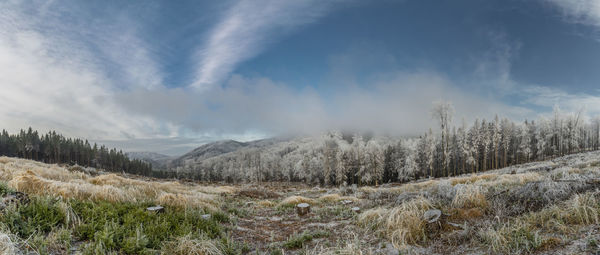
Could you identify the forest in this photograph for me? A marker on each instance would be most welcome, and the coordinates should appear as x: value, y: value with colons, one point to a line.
x: 343, y: 158
x: 338, y: 158
x: 55, y: 148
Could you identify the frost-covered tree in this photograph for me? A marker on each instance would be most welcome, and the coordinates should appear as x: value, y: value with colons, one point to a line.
x: 373, y: 163
x: 443, y: 112
x: 524, y: 150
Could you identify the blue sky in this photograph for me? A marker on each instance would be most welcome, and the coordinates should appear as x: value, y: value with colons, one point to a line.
x: 168, y: 75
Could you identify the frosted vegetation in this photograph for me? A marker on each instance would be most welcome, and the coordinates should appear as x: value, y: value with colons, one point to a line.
x: 337, y: 158
x: 550, y: 206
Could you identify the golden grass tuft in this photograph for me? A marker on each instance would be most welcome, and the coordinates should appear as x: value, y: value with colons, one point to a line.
x: 187, y: 245
x: 332, y: 198
x: 459, y: 214
x: 294, y: 200
x: 473, y: 179
x: 470, y: 196
x: 549, y: 243
x: 187, y: 201
x: 408, y: 187
x: 513, y: 179
x: 583, y: 209
x: 351, y: 247
x: 4, y: 160
x: 44, y: 179
x: 217, y: 189
x: 522, y: 234
x: 401, y: 225
x: 266, y: 203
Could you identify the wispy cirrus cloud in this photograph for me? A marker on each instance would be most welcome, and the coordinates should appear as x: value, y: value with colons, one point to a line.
x: 57, y: 71
x: 245, y: 30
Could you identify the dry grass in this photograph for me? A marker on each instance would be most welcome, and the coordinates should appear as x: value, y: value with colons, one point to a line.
x: 266, y: 203
x: 469, y: 196
x: 408, y: 187
x: 401, y: 225
x: 187, y: 201
x: 7, y: 246
x: 459, y: 214
x: 351, y: 247
x: 473, y: 179
x: 506, y: 180
x: 294, y: 200
x: 524, y: 233
x: 44, y: 179
x: 332, y: 198
x: 187, y: 245
x: 583, y: 209
x: 4, y: 160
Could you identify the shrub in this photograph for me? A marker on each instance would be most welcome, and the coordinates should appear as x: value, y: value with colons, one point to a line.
x: 298, y: 241
x: 294, y: 200
x: 41, y: 215
x: 194, y: 246
x: 402, y: 224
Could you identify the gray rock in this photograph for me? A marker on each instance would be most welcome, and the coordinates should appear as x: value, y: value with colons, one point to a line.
x: 156, y: 209
x: 432, y: 215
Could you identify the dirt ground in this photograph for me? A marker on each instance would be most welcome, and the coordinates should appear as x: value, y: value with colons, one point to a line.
x: 267, y: 225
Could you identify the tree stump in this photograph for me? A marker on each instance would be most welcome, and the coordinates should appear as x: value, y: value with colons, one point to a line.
x: 302, y: 209
x: 156, y: 209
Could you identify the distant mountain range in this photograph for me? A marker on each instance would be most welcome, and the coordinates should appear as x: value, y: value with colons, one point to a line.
x: 203, y: 152
x: 158, y: 161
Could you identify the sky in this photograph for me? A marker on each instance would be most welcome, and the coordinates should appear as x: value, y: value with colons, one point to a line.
x: 167, y: 76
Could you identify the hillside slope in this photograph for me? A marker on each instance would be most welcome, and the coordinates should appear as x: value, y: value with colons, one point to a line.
x: 218, y: 148
x: 158, y: 161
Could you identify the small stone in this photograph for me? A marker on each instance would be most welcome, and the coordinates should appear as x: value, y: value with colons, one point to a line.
x: 345, y: 202
x: 156, y: 209
x: 432, y: 215
x: 356, y: 209
x: 206, y: 216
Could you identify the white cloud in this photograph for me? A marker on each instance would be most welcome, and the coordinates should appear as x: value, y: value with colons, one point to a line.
x: 400, y: 103
x: 102, y: 82
x: 549, y: 97
x: 579, y: 11
x: 246, y: 28
x: 51, y: 79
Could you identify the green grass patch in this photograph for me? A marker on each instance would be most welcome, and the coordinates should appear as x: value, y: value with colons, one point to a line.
x: 298, y: 241
x: 121, y: 228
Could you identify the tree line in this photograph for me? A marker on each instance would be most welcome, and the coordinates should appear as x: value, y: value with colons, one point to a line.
x: 54, y: 148
x: 337, y: 158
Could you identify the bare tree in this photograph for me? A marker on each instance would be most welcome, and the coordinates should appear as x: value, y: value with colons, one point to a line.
x: 443, y: 112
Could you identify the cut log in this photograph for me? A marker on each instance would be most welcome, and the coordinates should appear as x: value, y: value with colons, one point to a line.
x: 303, y: 209
x: 156, y: 209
